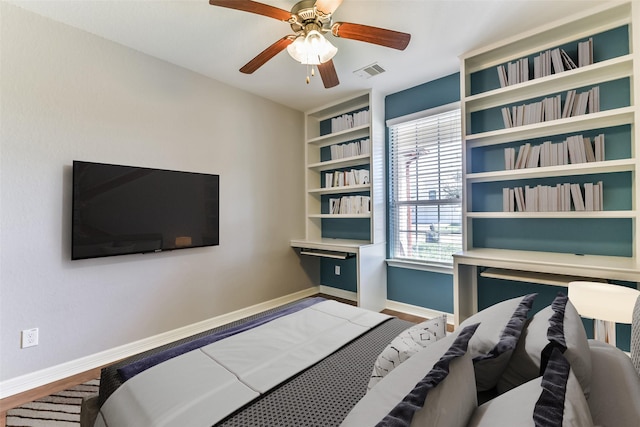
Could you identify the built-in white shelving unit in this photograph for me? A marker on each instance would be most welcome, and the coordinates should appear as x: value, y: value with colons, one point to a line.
x: 615, y: 63
x: 358, y: 233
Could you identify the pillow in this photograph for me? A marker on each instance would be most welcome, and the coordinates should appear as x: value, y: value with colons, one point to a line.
x: 406, y: 344
x: 558, y: 325
x: 635, y: 336
x: 444, y: 396
x: 553, y: 400
x: 496, y: 338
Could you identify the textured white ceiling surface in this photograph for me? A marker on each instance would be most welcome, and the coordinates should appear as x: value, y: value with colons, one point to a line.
x: 216, y: 41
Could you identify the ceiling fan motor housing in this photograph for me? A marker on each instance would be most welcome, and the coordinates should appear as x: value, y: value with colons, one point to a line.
x: 305, y: 17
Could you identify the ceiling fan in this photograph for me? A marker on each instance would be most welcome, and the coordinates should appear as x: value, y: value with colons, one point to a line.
x: 309, y: 20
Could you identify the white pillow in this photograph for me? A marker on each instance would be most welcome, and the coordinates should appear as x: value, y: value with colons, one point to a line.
x: 405, y: 345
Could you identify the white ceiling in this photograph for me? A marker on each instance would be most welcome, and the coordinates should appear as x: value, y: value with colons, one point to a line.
x: 216, y: 41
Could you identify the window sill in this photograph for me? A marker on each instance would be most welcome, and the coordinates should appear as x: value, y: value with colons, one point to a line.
x: 420, y: 265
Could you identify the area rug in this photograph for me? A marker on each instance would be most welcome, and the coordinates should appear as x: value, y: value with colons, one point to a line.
x: 61, y: 409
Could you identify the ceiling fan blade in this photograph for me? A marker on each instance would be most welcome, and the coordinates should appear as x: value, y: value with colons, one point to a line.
x: 266, y: 55
x: 327, y: 7
x: 328, y: 74
x: 375, y: 35
x: 254, y: 7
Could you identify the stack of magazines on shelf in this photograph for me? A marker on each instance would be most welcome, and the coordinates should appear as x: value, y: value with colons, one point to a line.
x: 558, y: 198
x: 550, y: 108
x: 574, y: 149
x: 350, y: 205
x: 350, y: 149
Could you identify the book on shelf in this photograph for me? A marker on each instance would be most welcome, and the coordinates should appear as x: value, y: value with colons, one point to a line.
x: 585, y: 52
x: 576, y: 196
x: 599, y: 148
x: 328, y: 179
x: 509, y: 158
x: 569, y: 64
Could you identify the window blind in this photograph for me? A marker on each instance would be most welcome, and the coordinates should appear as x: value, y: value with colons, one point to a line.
x: 425, y: 179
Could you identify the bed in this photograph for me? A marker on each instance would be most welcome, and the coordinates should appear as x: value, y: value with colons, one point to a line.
x: 501, y: 362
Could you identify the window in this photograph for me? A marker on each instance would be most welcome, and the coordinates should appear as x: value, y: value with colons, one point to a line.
x: 425, y: 180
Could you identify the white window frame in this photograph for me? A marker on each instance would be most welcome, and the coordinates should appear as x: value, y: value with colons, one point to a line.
x: 414, y: 262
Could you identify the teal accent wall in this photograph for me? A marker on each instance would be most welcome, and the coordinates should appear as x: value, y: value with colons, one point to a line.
x: 601, y: 236
x: 417, y: 287
x: 347, y: 280
x: 420, y: 288
x: 442, y: 91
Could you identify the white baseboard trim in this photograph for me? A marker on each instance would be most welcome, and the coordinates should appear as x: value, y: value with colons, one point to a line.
x: 338, y: 293
x: 46, y: 376
x: 418, y: 311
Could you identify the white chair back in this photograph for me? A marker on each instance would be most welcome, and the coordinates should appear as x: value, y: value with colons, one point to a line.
x: 607, y: 304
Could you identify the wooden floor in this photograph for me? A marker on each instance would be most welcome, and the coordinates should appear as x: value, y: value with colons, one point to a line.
x: 45, y: 390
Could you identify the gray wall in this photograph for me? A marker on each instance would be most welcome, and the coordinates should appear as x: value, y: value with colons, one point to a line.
x: 66, y: 95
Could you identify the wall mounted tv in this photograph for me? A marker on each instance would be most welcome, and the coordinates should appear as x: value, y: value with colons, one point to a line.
x: 119, y: 210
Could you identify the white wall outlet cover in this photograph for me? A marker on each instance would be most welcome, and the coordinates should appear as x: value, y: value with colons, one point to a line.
x: 29, y: 337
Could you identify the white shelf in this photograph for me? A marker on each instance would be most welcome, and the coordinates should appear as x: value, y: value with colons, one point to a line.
x: 342, y: 216
x: 594, y: 74
x: 562, y: 214
x: 607, y: 166
x: 342, y: 136
x: 340, y: 190
x: 616, y: 117
x: 605, y: 267
x: 346, y: 162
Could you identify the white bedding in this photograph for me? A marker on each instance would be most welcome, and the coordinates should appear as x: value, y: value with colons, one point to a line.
x: 201, y: 387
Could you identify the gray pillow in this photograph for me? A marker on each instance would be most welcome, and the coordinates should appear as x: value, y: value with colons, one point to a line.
x: 558, y: 325
x: 553, y: 400
x: 496, y: 338
x: 635, y: 336
x: 435, y: 387
x: 406, y: 344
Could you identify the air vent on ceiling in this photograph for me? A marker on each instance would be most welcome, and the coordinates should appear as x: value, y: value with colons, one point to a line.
x: 369, y: 71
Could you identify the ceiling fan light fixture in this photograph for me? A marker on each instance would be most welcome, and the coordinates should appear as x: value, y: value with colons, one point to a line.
x: 312, y: 49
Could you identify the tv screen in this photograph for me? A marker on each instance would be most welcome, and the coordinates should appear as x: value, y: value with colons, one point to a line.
x: 119, y: 210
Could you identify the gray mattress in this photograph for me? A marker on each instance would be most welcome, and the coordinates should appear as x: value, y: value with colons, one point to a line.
x: 319, y: 396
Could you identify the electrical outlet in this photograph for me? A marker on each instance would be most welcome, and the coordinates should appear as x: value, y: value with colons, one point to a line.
x: 337, y: 270
x: 29, y: 337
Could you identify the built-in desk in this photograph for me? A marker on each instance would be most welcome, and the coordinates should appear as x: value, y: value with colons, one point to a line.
x: 371, y: 268
x: 533, y: 267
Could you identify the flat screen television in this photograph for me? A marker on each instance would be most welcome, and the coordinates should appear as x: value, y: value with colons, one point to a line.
x: 119, y: 210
